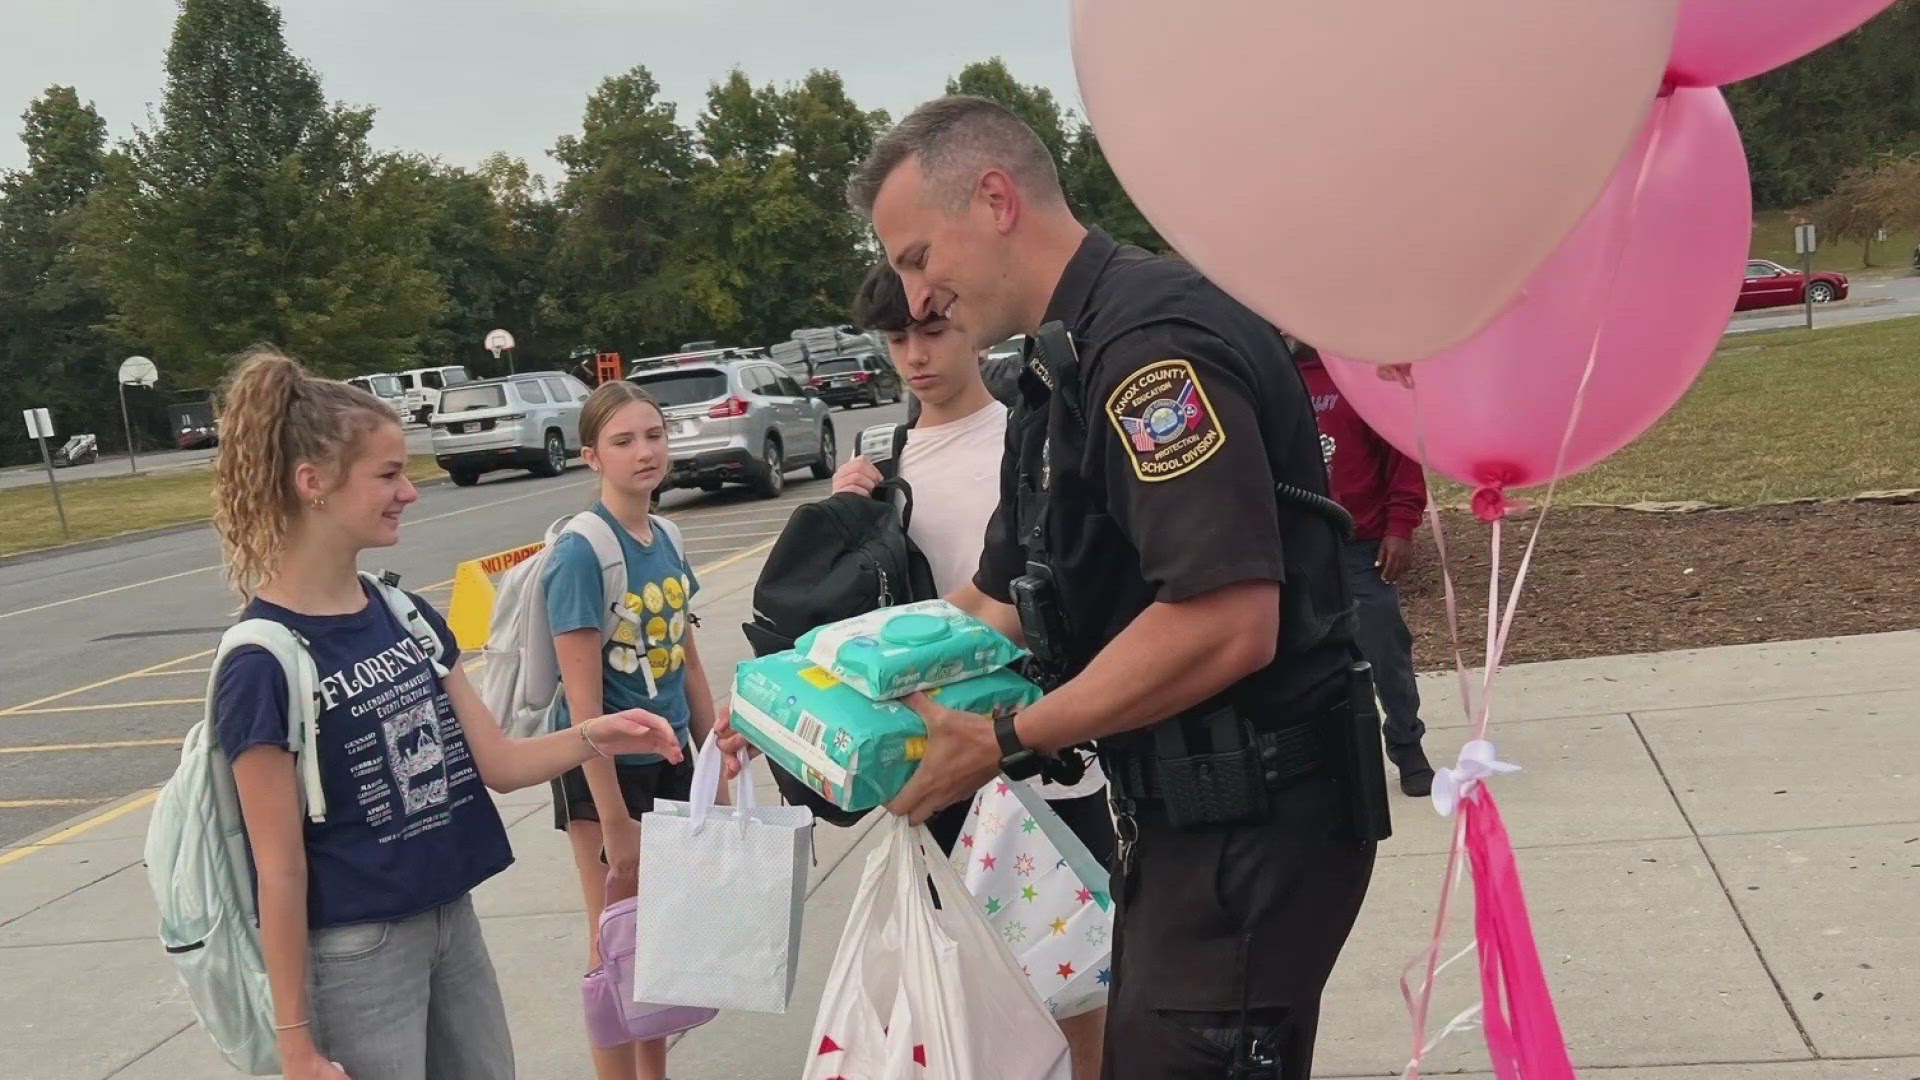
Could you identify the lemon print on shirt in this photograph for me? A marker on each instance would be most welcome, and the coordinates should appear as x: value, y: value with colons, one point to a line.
x: 656, y: 631
x: 623, y: 659
x: 659, y: 659
x: 679, y: 657
x: 676, y: 592
x: 677, y: 629
x: 656, y: 603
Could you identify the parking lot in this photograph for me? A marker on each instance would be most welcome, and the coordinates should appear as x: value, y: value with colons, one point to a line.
x: 103, y: 652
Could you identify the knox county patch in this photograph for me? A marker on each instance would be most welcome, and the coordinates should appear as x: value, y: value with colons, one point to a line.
x: 1165, y: 421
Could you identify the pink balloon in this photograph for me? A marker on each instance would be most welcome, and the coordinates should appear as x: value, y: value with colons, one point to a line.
x: 1723, y: 41
x: 1495, y: 408
x: 1378, y: 175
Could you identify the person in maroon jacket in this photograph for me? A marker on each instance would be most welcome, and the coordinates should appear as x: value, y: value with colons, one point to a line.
x: 1386, y: 492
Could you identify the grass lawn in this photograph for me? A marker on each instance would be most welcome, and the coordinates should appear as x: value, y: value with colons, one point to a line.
x: 1773, y: 239
x: 1778, y: 415
x: 118, y: 504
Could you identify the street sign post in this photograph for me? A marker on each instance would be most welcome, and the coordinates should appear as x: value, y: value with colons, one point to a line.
x: 499, y: 341
x: 134, y: 371
x: 1805, y: 243
x: 40, y: 428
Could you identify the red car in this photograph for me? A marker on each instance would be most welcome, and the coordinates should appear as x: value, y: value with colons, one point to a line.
x: 1769, y: 284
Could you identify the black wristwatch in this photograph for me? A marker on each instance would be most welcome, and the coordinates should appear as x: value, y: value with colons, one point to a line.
x: 1017, y: 760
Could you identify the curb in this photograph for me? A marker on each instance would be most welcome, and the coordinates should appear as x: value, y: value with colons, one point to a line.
x: 41, y: 839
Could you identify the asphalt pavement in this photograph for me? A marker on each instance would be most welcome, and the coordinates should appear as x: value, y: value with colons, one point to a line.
x: 1870, y: 299
x: 103, y: 650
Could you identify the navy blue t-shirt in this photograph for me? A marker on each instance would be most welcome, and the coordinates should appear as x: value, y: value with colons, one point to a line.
x: 409, y: 824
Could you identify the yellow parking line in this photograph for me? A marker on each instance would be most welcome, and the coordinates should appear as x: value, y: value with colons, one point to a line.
x: 744, y: 553
x: 122, y: 744
x: 27, y: 804
x: 137, y: 803
x: 105, y: 706
x: 34, y: 704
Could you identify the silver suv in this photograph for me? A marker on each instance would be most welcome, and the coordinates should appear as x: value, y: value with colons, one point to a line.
x: 738, y: 420
x: 529, y: 421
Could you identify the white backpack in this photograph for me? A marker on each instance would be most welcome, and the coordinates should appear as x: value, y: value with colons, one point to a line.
x: 520, y: 679
x: 196, y: 850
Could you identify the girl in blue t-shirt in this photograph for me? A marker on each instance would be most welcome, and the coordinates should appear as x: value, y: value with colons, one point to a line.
x: 374, y: 956
x: 649, y: 662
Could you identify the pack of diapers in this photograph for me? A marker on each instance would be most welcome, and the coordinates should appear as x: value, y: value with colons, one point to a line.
x: 855, y: 751
x: 894, y: 651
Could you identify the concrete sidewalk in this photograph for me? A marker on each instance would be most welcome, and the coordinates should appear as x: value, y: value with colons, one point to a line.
x: 1721, y: 850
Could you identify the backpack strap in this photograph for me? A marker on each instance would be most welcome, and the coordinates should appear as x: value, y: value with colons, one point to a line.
x: 407, y: 613
x: 666, y: 527
x: 613, y: 583
x: 303, y: 698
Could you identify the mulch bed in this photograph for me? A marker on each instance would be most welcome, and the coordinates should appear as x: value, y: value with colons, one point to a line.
x: 1606, y: 582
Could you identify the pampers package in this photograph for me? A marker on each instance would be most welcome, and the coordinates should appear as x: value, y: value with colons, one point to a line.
x: 894, y: 651
x: 855, y: 751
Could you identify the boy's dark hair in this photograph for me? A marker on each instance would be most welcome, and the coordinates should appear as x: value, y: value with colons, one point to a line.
x: 881, y: 303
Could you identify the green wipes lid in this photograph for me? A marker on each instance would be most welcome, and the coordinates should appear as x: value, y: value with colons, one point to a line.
x: 915, y: 629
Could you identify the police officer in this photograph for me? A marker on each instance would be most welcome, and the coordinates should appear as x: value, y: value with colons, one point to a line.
x: 1163, y: 545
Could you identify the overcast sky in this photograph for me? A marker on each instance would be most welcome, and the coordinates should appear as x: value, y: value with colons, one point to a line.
x: 460, y: 79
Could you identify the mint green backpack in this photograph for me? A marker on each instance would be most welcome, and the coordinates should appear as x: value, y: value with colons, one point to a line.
x: 196, y: 850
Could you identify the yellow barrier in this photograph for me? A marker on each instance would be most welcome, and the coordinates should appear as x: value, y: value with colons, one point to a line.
x: 471, y: 609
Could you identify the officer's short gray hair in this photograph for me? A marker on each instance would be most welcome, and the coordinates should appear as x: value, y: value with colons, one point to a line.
x: 955, y: 139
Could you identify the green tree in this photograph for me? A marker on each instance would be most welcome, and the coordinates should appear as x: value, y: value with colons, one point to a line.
x: 774, y: 246
x: 620, y: 277
x: 1881, y: 194
x: 1806, y: 125
x: 255, y: 211
x: 52, y: 353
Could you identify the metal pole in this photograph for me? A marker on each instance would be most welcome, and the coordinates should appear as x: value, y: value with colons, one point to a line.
x: 54, y: 483
x: 1806, y: 283
x: 511, y: 370
x: 133, y: 467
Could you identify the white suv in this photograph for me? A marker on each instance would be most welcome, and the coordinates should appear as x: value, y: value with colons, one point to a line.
x: 528, y: 421
x: 423, y: 387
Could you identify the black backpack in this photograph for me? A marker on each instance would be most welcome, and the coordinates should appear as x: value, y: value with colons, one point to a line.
x: 843, y: 556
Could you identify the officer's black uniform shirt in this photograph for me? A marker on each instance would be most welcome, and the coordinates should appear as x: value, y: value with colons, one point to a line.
x: 1162, y: 488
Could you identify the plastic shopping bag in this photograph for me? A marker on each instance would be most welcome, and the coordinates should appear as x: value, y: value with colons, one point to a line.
x: 736, y: 874
x: 919, y: 992
x: 1042, y: 891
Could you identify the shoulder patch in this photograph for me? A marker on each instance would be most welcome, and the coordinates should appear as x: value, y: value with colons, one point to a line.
x: 1165, y: 422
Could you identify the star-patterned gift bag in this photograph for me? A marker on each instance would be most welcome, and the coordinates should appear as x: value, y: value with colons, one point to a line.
x: 1043, y: 893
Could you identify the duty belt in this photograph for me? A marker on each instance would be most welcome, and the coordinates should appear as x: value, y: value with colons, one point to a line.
x: 1171, y: 784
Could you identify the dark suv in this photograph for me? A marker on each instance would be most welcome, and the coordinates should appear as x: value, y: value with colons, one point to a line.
x: 854, y: 380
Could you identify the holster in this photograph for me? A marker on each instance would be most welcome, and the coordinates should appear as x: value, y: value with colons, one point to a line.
x: 1234, y: 779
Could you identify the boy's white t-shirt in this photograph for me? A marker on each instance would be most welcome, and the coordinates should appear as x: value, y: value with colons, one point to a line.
x: 954, y: 470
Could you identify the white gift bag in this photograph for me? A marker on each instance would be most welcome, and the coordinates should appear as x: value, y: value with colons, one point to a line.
x: 722, y: 890
x: 1043, y: 893
x: 919, y: 992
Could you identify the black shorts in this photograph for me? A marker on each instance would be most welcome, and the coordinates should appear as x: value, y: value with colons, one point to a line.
x: 1087, y: 816
x: 640, y: 785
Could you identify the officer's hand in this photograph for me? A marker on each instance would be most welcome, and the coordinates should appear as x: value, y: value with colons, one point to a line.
x: 857, y: 475
x: 1396, y: 554
x: 962, y: 755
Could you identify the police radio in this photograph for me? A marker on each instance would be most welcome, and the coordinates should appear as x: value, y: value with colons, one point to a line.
x: 1043, y: 623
